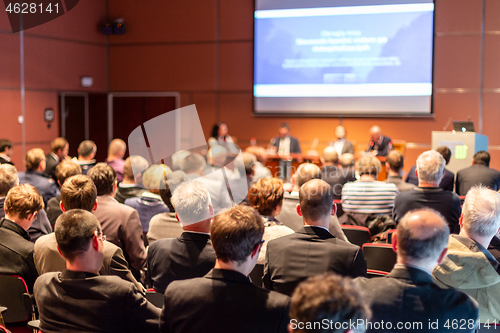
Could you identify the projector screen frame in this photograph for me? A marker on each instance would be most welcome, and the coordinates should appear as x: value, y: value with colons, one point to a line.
x: 347, y: 114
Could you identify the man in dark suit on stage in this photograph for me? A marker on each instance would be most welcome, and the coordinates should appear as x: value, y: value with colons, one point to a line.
x: 285, y: 144
x: 379, y: 144
x: 311, y: 250
x: 409, y: 295
x: 5, y: 151
x: 79, y: 299
x: 478, y: 173
x: 59, y: 149
x: 190, y: 255
x: 225, y: 300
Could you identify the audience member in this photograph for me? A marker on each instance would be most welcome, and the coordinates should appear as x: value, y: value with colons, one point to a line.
x: 6, y: 151
x: 120, y: 222
x: 21, y: 206
x: 150, y: 202
x: 64, y: 170
x: 327, y: 303
x: 217, y: 157
x: 478, y: 173
x: 313, y: 249
x: 225, y: 300
x: 379, y: 144
x: 116, y: 151
x: 409, y: 295
x: 259, y: 169
x: 341, y: 145
x: 448, y: 180
x: 165, y: 225
x: 177, y: 159
x: 35, y: 166
x: 266, y: 196
x: 288, y: 214
x: 469, y: 267
x: 249, y: 161
x: 79, y: 299
x: 334, y: 175
x: 428, y: 194
x: 59, y: 148
x: 368, y: 195
x: 190, y: 255
x: 129, y: 187
x: 86, y: 153
x: 285, y: 144
x: 394, y: 165
x: 79, y: 192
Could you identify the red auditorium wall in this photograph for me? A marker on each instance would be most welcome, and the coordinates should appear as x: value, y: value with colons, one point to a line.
x: 56, y: 54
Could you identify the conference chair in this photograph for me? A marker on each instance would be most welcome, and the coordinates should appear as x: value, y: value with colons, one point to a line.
x: 256, y: 275
x: 154, y: 297
x: 390, y: 233
x: 357, y: 235
x: 379, y: 256
x: 371, y: 273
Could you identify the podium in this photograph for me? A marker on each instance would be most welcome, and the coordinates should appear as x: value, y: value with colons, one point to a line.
x: 463, y: 146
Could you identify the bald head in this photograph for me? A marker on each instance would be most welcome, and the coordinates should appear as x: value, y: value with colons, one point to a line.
x: 316, y: 201
x: 347, y: 160
x: 330, y: 156
x: 422, y: 235
x: 306, y: 172
x: 117, y: 149
x: 375, y: 133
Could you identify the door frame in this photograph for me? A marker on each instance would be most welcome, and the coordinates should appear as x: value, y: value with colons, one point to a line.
x: 62, y: 111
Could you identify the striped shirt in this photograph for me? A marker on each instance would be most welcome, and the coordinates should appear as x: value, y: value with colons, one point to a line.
x: 369, y: 197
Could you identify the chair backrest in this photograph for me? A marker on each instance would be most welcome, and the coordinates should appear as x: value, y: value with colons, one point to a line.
x: 155, y: 298
x: 380, y: 257
x: 389, y: 235
x: 371, y: 273
x: 356, y: 234
x: 256, y: 275
x: 14, y: 295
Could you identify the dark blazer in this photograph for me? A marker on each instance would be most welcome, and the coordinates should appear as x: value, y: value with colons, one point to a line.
x: 474, y: 175
x: 409, y: 295
x: 223, y: 301
x: 50, y: 166
x: 188, y: 256
x: 336, y: 177
x: 400, y: 184
x: 4, y: 161
x: 308, y: 252
x: 294, y: 144
x: 43, y: 184
x: 84, y: 302
x: 384, y: 148
x: 123, y: 193
x: 446, y: 183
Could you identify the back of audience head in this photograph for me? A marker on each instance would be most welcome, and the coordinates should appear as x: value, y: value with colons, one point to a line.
x: 422, y: 238
x: 117, y: 148
x: 8, y: 178
x: 445, y: 152
x: 327, y: 298
x: 192, y: 204
x: 173, y: 180
x: 259, y: 152
x: 217, y: 155
x: 481, y: 213
x: 59, y: 146
x: 177, y: 158
x: 249, y: 160
x: 306, y: 172
x: 66, y: 169
x: 236, y: 234
x: 316, y: 202
x: 369, y: 165
x: 346, y: 160
x: 430, y: 167
x: 78, y: 192
x: 154, y: 177
x: 74, y: 231
x: 104, y: 178
x: 482, y: 158
x: 134, y: 164
x: 395, y: 160
x: 5, y: 144
x: 193, y: 164
x: 35, y: 160
x: 87, y: 149
x: 330, y: 156
x: 22, y: 204
x: 266, y: 195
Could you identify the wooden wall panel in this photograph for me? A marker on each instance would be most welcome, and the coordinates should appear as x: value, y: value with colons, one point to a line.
x: 206, y: 107
x: 236, y: 69
x: 10, y: 70
x: 491, y: 21
x: 235, y: 23
x: 491, y: 57
x: 458, y: 16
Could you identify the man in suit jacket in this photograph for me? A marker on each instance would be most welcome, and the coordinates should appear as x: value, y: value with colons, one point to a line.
x: 408, y: 294
x: 79, y: 192
x: 341, y: 145
x: 6, y: 151
x: 119, y: 222
x: 285, y: 144
x: 190, y: 255
x: 311, y: 250
x: 225, y: 300
x: 86, y: 153
x: 59, y: 149
x: 479, y: 173
x: 379, y: 144
x: 79, y: 299
x: 447, y: 182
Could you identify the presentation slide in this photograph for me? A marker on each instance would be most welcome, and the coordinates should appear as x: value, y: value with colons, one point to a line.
x: 370, y: 59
